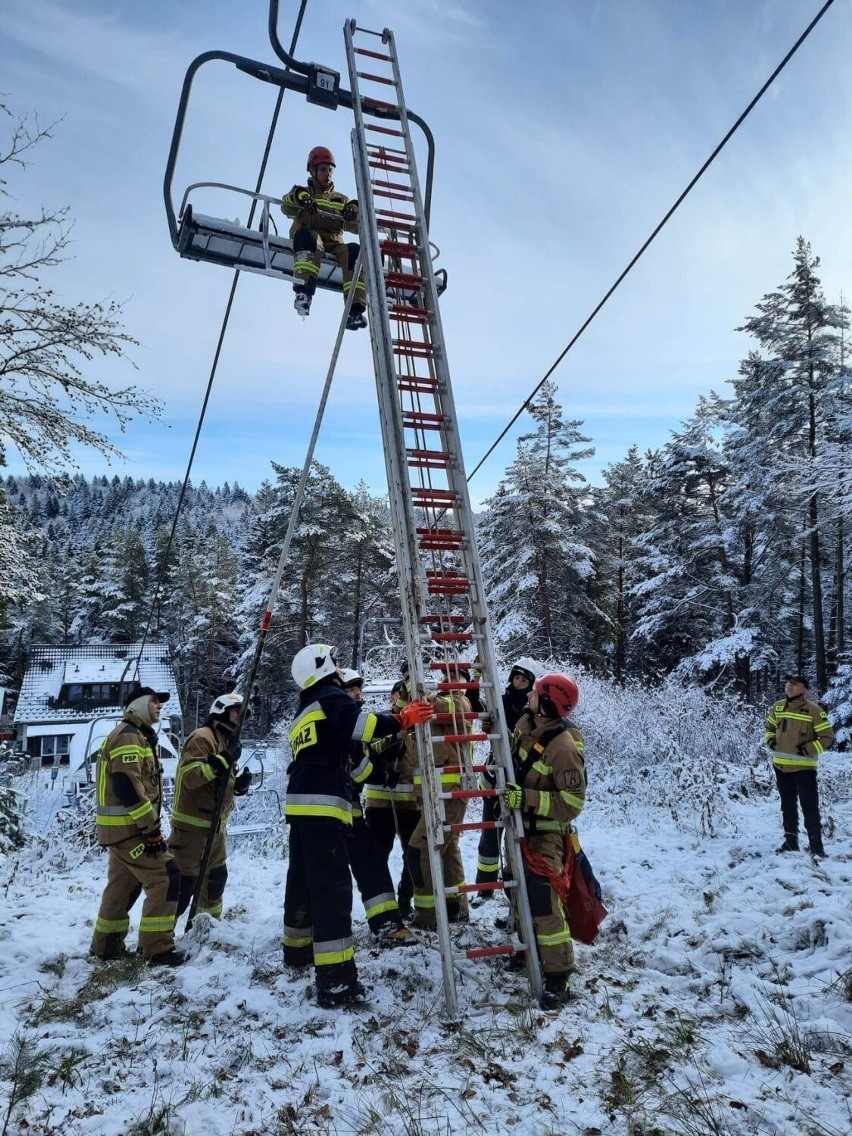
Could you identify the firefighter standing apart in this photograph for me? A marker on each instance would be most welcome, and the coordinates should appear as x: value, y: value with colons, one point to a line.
x: 797, y: 732
x: 129, y: 795
x: 550, y: 792
x: 209, y: 756
x: 318, y: 894
x: 320, y: 216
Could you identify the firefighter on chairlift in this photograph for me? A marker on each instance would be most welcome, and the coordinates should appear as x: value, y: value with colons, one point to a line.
x: 366, y: 856
x: 130, y: 796
x: 320, y: 215
x: 318, y: 810
x: 209, y: 756
x: 549, y: 791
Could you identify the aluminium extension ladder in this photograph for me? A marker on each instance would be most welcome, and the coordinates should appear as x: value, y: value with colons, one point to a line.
x: 443, y: 602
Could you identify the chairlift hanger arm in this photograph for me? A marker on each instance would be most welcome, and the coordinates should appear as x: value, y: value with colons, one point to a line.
x: 304, y: 69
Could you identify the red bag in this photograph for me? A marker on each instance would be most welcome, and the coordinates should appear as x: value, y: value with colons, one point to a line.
x: 583, y: 908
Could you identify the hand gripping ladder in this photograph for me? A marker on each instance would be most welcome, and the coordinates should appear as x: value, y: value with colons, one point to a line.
x: 443, y: 603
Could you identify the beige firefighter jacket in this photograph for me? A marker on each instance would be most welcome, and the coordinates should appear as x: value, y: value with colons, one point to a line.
x: 129, y: 782
x: 797, y: 732
x: 329, y: 201
x: 445, y: 753
x: 196, y: 784
x: 555, y: 777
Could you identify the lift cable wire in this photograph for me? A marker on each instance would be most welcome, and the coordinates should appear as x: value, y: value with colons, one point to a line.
x: 214, y: 367
x: 526, y: 404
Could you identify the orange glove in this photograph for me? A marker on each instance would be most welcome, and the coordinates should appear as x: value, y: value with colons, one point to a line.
x: 415, y: 713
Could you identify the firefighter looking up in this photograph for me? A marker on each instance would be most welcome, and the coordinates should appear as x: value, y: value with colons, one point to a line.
x: 209, y: 756
x: 130, y: 793
x: 320, y: 215
x: 366, y: 857
x: 797, y: 732
x: 390, y: 807
x: 550, y: 792
x: 452, y: 705
x: 318, y: 893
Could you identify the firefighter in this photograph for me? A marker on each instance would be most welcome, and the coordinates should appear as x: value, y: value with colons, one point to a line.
x: 366, y: 857
x: 209, y: 757
x: 320, y: 215
x: 550, y: 792
x: 130, y: 793
x: 318, y: 894
x: 390, y: 807
x: 521, y: 679
x: 797, y: 732
x: 453, y: 705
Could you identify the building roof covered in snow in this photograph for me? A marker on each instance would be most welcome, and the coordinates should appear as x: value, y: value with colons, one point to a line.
x: 73, y: 684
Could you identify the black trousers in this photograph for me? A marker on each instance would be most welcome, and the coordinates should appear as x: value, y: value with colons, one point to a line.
x: 372, y: 875
x: 799, y: 787
x: 318, y: 903
x: 384, y: 825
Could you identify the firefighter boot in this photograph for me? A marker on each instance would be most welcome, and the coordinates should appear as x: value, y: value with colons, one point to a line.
x: 302, y: 301
x: 171, y: 957
x: 392, y: 935
x: 557, y: 991
x: 357, y: 319
x: 114, y: 948
x: 348, y: 995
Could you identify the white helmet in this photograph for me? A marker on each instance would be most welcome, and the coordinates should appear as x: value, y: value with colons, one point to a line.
x: 351, y: 678
x: 527, y: 667
x: 313, y: 663
x: 224, y: 702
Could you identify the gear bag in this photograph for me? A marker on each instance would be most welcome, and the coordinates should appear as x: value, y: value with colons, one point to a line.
x: 575, y: 885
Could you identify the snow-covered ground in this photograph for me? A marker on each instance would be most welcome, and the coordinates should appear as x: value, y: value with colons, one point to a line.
x: 718, y: 1000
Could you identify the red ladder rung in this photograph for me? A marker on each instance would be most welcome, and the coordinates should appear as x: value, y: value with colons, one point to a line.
x: 417, y: 385
x: 371, y: 54
x: 452, y: 636
x: 450, y: 665
x: 423, y: 418
x: 498, y: 885
x: 378, y: 104
x: 404, y: 314
x: 379, y: 150
x: 448, y: 719
x: 412, y: 349
x: 376, y: 79
x: 489, y: 952
x: 398, y: 249
x: 432, y: 496
x: 395, y: 279
x: 389, y: 165
x: 438, y: 589
x: 460, y: 739
x: 469, y: 794
x: 392, y: 185
x: 390, y: 195
x: 385, y: 130
x: 408, y: 222
x: 474, y: 826
x: 458, y: 686
x: 437, y: 546
x: 436, y: 461
x: 460, y: 768
x: 442, y: 619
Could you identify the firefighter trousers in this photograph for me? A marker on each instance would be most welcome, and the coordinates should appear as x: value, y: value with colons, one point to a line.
x: 187, y: 845
x: 318, y: 904
x: 308, y: 250
x: 417, y: 858
x: 386, y: 825
x: 488, y: 852
x: 372, y: 875
x: 799, y: 787
x: 132, y: 871
x: 550, y: 923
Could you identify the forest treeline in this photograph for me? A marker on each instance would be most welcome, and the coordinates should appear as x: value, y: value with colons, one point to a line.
x: 719, y: 557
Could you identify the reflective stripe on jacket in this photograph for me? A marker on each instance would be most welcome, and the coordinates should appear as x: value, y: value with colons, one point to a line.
x: 797, y: 732
x: 320, y: 786
x: 555, y: 777
x: 129, y: 784
x: 196, y: 784
x: 329, y: 200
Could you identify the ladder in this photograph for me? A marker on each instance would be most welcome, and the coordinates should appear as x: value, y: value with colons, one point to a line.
x: 444, y: 610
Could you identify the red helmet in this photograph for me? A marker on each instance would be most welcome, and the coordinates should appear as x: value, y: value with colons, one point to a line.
x: 319, y: 156
x: 562, y: 691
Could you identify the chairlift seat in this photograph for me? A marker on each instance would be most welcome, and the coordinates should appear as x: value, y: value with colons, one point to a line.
x: 222, y: 242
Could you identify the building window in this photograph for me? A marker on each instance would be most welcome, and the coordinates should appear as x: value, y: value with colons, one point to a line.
x: 55, y: 749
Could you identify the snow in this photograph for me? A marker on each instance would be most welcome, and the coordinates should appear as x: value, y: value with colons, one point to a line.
x: 717, y: 1000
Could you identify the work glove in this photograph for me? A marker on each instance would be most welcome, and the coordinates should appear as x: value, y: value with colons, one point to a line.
x: 242, y: 784
x: 233, y: 750
x: 349, y: 212
x: 415, y: 714
x: 514, y: 796
x: 305, y: 199
x: 154, y: 843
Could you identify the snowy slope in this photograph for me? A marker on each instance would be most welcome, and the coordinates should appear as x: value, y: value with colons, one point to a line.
x: 718, y: 1000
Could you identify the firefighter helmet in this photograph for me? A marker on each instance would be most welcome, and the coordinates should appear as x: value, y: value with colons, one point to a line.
x: 526, y: 668
x: 224, y: 702
x: 312, y: 663
x: 560, y: 691
x: 351, y: 678
x: 319, y: 156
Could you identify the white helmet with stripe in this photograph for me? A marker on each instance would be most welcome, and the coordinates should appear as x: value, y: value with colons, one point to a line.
x: 351, y: 678
x: 312, y: 663
x: 224, y: 702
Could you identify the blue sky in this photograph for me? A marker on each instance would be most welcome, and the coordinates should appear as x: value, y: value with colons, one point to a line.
x: 564, y: 131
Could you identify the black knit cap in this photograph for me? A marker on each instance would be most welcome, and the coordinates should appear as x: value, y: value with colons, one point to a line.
x: 145, y: 692
x: 797, y: 678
